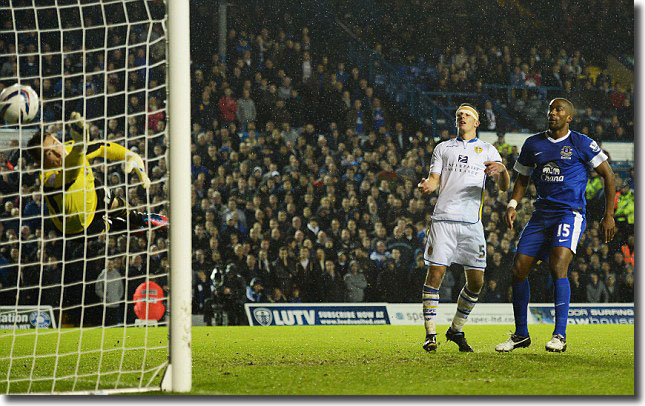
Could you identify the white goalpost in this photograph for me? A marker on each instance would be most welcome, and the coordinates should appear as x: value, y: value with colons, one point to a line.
x: 180, y: 254
x: 95, y: 280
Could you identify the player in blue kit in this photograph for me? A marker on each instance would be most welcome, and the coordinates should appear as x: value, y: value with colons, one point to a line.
x: 556, y: 161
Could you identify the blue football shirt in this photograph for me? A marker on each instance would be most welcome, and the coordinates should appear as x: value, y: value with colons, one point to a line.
x: 558, y: 168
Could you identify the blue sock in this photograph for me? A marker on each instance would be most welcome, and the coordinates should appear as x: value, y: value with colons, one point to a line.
x: 521, y: 296
x: 562, y: 300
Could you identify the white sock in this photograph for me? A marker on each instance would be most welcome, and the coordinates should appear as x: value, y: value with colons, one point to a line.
x: 465, y: 304
x: 430, y: 304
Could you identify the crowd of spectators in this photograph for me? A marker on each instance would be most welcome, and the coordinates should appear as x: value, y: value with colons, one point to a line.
x: 517, y: 51
x: 315, y: 192
x: 303, y: 189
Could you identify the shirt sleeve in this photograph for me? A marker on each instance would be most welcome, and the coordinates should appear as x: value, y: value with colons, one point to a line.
x: 493, y: 154
x: 110, y: 150
x: 436, y: 163
x: 524, y: 164
x: 591, y: 152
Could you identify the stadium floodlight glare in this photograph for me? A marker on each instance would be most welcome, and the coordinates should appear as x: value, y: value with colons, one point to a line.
x: 76, y: 308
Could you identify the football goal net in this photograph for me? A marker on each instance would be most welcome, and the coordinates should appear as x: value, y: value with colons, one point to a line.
x: 95, y: 284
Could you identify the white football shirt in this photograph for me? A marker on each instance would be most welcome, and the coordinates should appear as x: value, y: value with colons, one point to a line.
x: 461, y: 166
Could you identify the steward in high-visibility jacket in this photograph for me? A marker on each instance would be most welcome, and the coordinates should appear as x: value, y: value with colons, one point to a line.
x: 625, y: 207
x: 594, y: 185
x: 628, y: 254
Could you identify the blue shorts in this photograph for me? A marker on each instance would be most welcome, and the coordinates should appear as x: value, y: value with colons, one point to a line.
x: 546, y: 230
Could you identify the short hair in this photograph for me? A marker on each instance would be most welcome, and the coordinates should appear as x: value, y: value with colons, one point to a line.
x: 34, y: 144
x: 568, y: 102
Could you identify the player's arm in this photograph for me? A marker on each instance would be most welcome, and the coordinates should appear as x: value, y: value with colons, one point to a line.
x: 495, y: 167
x: 504, y: 180
x: 73, y: 162
x: 593, y: 156
x: 430, y: 184
x: 519, y: 189
x: 524, y: 167
x: 499, y: 171
x: 608, y: 223
x: 115, y: 152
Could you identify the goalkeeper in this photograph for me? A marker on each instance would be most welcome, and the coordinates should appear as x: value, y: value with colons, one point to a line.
x: 75, y: 199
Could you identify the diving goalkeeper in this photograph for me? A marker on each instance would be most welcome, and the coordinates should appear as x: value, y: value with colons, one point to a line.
x: 76, y: 201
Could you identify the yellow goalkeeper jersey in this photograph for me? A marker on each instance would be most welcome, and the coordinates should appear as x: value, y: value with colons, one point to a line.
x: 70, y: 192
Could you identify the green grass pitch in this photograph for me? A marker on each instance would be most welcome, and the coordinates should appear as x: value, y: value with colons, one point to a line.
x: 353, y: 360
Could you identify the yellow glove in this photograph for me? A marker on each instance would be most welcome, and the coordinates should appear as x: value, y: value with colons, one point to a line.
x: 79, y: 130
x: 134, y: 161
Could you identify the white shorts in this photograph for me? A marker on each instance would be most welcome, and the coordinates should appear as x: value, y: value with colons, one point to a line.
x: 456, y: 243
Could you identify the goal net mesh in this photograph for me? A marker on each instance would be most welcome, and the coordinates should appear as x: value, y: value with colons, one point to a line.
x: 71, y: 304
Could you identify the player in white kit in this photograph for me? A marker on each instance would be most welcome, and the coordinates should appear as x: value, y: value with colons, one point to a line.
x: 458, y: 168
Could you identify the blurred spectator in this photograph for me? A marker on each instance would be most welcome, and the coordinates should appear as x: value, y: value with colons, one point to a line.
x: 283, y: 269
x: 492, y: 294
x: 628, y: 251
x: 624, y: 213
x: 295, y: 296
x: 277, y: 296
x: 596, y: 290
x: 332, y: 286
x: 386, y: 283
x: 488, y: 120
x: 357, y: 120
x: 255, y: 291
x: 246, y: 112
x: 227, y: 108
x: 109, y: 288
x: 202, y: 289
x: 355, y: 283
x: 502, y: 146
x: 578, y: 289
x: 613, y: 292
x: 380, y: 255
x: 627, y: 289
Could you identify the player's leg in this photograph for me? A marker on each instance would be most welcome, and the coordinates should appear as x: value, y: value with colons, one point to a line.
x: 468, y: 297
x: 430, y: 299
x: 530, y: 248
x: 120, y: 215
x: 440, y: 245
x: 522, y: 265
x: 559, y: 261
x: 471, y: 253
x: 103, y: 198
x: 565, y: 236
x: 465, y: 304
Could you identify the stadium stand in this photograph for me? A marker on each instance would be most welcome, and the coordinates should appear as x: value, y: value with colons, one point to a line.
x: 305, y: 166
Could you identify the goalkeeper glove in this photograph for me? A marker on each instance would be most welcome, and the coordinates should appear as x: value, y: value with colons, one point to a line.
x: 79, y: 129
x: 134, y: 161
